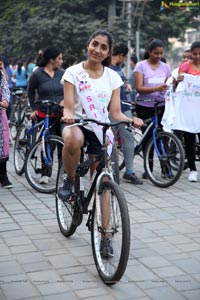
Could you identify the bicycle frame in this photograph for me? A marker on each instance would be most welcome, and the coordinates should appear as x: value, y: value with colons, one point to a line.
x: 102, y: 170
x: 44, y: 133
x: 151, y: 131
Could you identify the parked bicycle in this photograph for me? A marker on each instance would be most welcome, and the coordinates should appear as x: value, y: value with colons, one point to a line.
x: 102, y: 192
x: 163, y: 155
x: 38, y: 153
x: 19, y: 109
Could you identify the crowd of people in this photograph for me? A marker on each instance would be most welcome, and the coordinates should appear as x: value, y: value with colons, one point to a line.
x: 50, y: 76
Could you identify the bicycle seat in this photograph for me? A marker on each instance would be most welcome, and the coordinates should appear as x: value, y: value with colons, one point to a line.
x: 18, y: 92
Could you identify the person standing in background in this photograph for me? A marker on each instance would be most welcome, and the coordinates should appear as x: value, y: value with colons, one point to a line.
x: 70, y: 61
x: 133, y: 62
x: 150, y: 77
x: 4, y: 131
x: 30, y: 65
x: 191, y: 66
x: 7, y: 70
x: 20, y: 75
x: 118, y: 57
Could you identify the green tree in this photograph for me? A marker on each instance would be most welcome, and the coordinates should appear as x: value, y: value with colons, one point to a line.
x: 28, y: 25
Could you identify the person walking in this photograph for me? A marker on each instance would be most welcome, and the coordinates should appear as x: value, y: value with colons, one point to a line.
x: 118, y: 57
x: 4, y: 131
x: 150, y: 77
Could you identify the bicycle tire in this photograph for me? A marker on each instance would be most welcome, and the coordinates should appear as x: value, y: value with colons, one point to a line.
x: 64, y: 210
x: 115, y: 164
x: 112, y: 269
x: 34, y: 166
x: 165, y: 172
x: 13, y: 124
x: 20, y: 150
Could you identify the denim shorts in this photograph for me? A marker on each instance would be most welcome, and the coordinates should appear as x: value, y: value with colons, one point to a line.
x: 91, y: 140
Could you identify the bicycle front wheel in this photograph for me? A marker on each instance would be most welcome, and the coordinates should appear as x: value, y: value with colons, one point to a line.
x: 165, y: 168
x: 41, y: 172
x: 110, y: 233
x: 64, y: 210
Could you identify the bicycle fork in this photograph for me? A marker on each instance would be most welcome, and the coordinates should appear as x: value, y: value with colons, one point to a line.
x: 162, y: 154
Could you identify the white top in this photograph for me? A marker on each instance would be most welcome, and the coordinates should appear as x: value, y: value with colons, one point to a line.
x: 102, y: 87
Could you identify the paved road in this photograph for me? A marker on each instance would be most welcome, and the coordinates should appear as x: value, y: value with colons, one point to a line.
x: 37, y: 262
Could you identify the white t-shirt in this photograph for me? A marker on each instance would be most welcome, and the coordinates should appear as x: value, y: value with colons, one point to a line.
x: 103, y: 87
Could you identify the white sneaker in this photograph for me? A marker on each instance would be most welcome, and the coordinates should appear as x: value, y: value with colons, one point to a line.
x: 192, y: 176
x: 44, y: 179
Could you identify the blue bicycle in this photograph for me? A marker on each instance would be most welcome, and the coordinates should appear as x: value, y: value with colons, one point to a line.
x: 163, y: 154
x: 38, y: 152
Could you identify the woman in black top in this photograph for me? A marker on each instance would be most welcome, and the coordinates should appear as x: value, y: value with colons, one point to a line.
x: 44, y: 84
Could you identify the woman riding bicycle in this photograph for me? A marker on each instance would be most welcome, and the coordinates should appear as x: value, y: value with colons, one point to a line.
x: 90, y: 82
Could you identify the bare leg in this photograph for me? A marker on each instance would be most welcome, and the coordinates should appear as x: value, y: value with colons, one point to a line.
x: 105, y: 203
x: 73, y: 141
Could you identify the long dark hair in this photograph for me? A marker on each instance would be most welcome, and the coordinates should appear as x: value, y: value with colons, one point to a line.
x: 19, y: 66
x: 106, y: 62
x: 194, y: 45
x: 49, y: 53
x: 151, y: 45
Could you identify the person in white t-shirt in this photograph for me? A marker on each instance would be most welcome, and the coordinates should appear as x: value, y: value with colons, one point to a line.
x: 105, y: 90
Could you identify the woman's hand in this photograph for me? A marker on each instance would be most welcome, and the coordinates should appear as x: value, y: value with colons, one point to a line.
x: 4, y: 104
x: 34, y: 114
x: 162, y: 88
x: 68, y: 117
x: 137, y: 122
x: 180, y: 78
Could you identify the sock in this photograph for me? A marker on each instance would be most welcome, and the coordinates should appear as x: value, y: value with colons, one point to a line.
x: 129, y: 172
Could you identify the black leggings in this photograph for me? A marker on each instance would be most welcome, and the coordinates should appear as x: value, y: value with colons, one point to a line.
x: 189, y: 149
x: 3, y: 168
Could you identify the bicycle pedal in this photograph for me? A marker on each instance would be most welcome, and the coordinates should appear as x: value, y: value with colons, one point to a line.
x: 38, y: 171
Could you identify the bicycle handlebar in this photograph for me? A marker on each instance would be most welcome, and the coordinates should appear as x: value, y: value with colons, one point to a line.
x: 47, y: 103
x: 154, y: 101
x: 82, y: 122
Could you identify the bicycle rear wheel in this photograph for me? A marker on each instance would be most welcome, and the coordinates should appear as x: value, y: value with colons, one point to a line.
x: 64, y: 210
x: 36, y: 169
x: 110, y: 220
x: 21, y: 147
x: 165, y: 170
x: 13, y: 123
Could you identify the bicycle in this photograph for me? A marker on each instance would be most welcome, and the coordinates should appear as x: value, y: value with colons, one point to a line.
x: 18, y: 111
x: 70, y: 213
x: 37, y: 152
x: 163, y: 155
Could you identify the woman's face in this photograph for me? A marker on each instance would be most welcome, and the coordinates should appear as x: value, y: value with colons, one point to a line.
x: 156, y: 54
x: 195, y: 54
x: 57, y: 62
x: 98, y: 49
